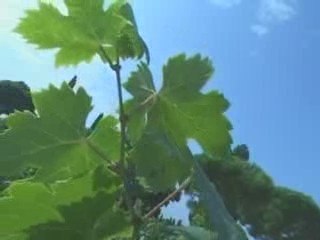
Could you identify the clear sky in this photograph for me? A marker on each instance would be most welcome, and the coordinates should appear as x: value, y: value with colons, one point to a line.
x: 267, y: 59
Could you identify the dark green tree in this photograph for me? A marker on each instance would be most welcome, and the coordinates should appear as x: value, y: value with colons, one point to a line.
x: 270, y: 212
x: 14, y: 96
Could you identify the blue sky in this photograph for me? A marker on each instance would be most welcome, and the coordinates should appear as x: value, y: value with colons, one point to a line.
x: 267, y: 61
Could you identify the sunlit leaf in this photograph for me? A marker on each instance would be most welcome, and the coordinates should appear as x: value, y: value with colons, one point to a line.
x: 87, y: 30
x: 55, y: 141
x: 26, y: 205
x: 178, y: 112
x: 92, y: 218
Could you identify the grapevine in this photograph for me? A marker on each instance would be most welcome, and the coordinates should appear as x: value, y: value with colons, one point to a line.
x: 63, y: 179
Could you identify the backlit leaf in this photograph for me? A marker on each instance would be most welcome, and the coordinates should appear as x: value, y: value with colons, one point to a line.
x: 178, y: 112
x: 92, y: 218
x: 26, y: 205
x: 55, y: 141
x: 159, y: 161
x: 87, y: 30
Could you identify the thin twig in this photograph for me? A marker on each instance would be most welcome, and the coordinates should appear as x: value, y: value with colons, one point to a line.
x: 168, y: 198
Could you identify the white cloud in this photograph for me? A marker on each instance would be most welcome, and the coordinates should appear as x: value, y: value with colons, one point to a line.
x: 260, y: 30
x: 276, y: 10
x: 225, y: 3
x: 272, y: 12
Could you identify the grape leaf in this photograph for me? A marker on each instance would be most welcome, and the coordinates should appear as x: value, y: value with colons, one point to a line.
x: 141, y: 86
x: 140, y: 83
x: 15, y: 236
x: 106, y: 137
x: 55, y: 142
x: 84, y: 32
x: 28, y: 204
x: 92, y: 218
x: 130, y: 43
x: 181, y: 105
x: 178, y: 112
x: 158, y: 161
x: 78, y: 8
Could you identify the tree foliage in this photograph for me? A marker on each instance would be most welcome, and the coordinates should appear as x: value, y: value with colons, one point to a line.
x: 269, y: 211
x: 14, y: 96
x: 110, y: 180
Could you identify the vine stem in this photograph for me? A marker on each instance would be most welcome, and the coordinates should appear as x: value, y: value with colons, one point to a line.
x: 117, y: 68
x: 122, y: 120
x: 168, y: 198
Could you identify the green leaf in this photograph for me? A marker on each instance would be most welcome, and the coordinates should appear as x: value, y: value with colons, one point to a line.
x: 193, y: 114
x: 55, y: 142
x: 92, y: 218
x: 137, y: 120
x: 141, y: 86
x: 193, y: 233
x: 158, y: 161
x: 27, y: 204
x: 107, y: 138
x: 178, y: 112
x: 140, y: 83
x: 130, y: 43
x: 15, y: 236
x: 78, y: 8
x: 185, y: 110
x: 84, y: 32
